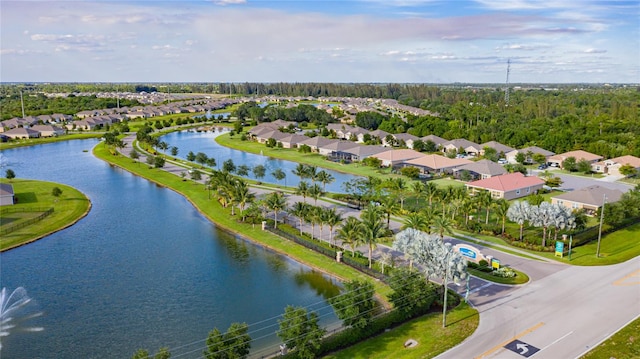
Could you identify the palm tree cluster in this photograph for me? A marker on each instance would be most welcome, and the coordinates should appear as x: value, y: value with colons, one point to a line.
x: 230, y: 190
x: 367, y: 230
x: 545, y: 215
x: 311, y: 172
x: 317, y: 215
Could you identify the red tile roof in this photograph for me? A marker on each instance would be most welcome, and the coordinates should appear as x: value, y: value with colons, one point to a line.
x: 508, y: 182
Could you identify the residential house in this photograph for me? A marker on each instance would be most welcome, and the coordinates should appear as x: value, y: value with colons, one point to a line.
x: 508, y: 186
x: 406, y: 138
x: 316, y: 142
x: 612, y: 166
x: 528, y: 153
x: 292, y: 140
x: 588, y: 198
x: 579, y: 155
x: 439, y: 141
x: 434, y: 163
x: 361, y: 152
x: 7, y: 197
x: 393, y: 158
x: 48, y: 130
x: 481, y: 169
x: 21, y: 133
x: 460, y: 146
x: 501, y: 149
x: 335, y: 148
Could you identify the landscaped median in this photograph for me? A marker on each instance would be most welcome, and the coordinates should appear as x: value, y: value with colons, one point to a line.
x: 38, y: 212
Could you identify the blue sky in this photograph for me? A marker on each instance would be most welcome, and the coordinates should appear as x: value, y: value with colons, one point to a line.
x: 420, y: 41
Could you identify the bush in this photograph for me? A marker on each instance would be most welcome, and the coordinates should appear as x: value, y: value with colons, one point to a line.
x: 504, y: 272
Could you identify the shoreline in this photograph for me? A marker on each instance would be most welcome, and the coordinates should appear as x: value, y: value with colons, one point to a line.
x: 64, y: 226
x: 244, y: 236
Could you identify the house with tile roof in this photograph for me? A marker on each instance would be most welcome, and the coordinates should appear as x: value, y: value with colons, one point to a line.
x: 612, y: 165
x: 406, y: 138
x: 528, y: 152
x: 460, y: 145
x: 579, y: 155
x: 481, y: 169
x: 361, y: 152
x: 316, y: 142
x: 588, y: 198
x: 397, y: 157
x: 508, y: 186
x: 21, y: 132
x: 439, y: 141
x: 434, y: 163
x: 335, y: 148
x: 499, y: 147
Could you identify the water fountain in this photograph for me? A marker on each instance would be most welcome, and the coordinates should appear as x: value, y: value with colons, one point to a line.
x: 14, y: 311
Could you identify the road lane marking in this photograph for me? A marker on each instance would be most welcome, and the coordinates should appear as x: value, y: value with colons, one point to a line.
x: 555, y: 341
x: 481, y: 287
x: 501, y: 345
x: 623, y: 281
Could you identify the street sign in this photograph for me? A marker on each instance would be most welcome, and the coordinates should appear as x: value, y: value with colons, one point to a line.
x: 495, y: 263
x: 559, y: 249
x: 522, y: 348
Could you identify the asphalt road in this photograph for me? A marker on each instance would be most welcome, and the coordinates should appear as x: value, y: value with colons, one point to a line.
x: 563, y: 314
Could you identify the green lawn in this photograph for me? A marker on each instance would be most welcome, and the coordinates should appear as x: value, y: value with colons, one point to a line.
x: 623, y: 344
x: 69, y: 207
x: 520, y: 277
x: 427, y: 331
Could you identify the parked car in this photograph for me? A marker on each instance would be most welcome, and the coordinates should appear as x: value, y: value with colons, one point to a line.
x: 502, y: 161
x: 543, y: 166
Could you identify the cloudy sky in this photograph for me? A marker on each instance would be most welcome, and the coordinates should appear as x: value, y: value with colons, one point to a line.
x: 420, y: 41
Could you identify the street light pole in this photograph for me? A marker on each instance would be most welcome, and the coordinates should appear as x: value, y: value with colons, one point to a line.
x: 444, y: 285
x: 604, y: 201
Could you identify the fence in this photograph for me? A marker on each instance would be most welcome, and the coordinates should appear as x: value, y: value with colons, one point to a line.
x: 45, y: 212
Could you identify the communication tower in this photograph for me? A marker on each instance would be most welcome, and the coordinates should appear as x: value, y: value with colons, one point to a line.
x: 506, y: 90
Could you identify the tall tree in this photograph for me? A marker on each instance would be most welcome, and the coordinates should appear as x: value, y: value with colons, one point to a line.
x: 300, y: 331
x: 259, y: 171
x: 279, y: 175
x: 349, y: 233
x: 355, y: 305
x: 276, y: 202
x: 519, y: 212
x: 235, y: 343
x: 303, y: 190
x: 300, y: 210
x: 325, y: 178
x: 372, y: 228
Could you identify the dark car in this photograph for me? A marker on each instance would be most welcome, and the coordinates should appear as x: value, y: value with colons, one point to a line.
x: 543, y: 166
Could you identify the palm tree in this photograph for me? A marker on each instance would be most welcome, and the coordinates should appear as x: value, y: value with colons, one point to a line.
x: 332, y: 219
x: 276, y: 202
x: 442, y: 225
x: 372, y: 228
x: 389, y: 205
x: 501, y: 207
x: 242, y: 196
x: 279, y: 174
x: 324, y: 177
x: 399, y: 188
x: 349, y: 233
x: 313, y: 217
x: 315, y: 191
x: 485, y: 200
x: 417, y: 221
x: 300, y: 210
x: 311, y: 172
x: 300, y: 171
x: 303, y: 190
x: 430, y: 191
x: 430, y: 214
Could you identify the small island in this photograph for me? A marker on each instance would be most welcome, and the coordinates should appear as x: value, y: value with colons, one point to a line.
x: 39, y: 208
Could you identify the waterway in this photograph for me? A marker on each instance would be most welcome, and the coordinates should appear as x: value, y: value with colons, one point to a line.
x: 205, y: 142
x: 143, y: 270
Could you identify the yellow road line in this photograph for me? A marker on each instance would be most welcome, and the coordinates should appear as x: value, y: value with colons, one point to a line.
x: 621, y: 281
x: 490, y: 351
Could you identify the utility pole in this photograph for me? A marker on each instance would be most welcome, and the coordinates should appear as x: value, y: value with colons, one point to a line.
x: 22, y: 103
x: 506, y: 90
x: 604, y: 201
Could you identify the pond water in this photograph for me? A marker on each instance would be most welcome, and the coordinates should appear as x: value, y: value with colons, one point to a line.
x: 143, y: 270
x: 205, y: 142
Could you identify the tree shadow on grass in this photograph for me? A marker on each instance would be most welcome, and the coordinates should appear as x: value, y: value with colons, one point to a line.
x: 26, y: 197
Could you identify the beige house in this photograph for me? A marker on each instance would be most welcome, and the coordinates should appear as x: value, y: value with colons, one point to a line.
x: 21, y: 133
x: 48, y: 130
x: 579, y: 155
x: 436, y: 163
x: 481, y: 169
x: 589, y: 198
x: 528, y: 152
x: 612, y: 166
x: 396, y: 157
x: 509, y: 186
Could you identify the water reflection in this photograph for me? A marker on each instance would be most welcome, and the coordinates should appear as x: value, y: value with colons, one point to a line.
x: 205, y: 142
x: 319, y: 282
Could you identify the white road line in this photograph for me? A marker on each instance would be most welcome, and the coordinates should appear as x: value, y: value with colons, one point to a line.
x: 481, y: 287
x: 553, y: 342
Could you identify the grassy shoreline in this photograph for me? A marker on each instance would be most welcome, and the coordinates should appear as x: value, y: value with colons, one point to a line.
x: 71, y: 206
x: 212, y: 210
